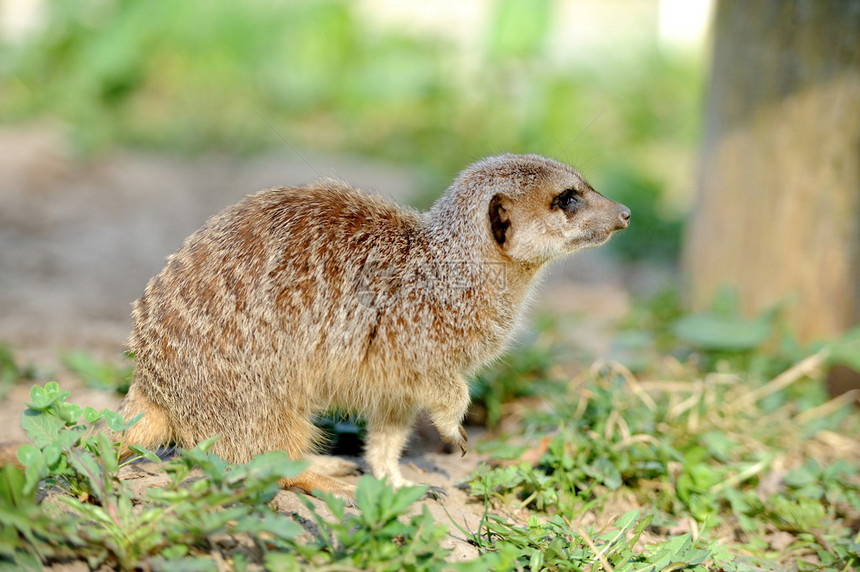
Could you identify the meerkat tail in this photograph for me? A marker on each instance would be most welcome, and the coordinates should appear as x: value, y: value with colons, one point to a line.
x: 309, y: 481
x: 154, y: 428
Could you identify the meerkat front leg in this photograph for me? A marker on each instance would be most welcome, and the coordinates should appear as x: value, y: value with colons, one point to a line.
x: 385, y: 441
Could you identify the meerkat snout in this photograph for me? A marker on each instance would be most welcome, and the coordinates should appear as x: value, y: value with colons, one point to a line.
x: 300, y: 299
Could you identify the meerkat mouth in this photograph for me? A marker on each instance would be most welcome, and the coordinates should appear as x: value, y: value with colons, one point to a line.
x: 590, y: 240
x: 599, y: 240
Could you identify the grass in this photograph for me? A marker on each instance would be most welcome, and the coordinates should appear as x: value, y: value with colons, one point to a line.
x: 698, y: 458
x: 748, y: 472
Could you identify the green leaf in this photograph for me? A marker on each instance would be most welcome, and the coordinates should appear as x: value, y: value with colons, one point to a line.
x: 640, y: 528
x: 27, y: 562
x: 270, y: 466
x: 42, y: 428
x: 604, y: 471
x: 30, y: 454
x: 695, y: 556
x: 69, y: 412
x: 85, y: 463
x: 114, y: 421
x: 145, y: 453
x: 35, y: 472
x: 132, y: 421
x: 403, y: 499
x: 70, y: 436
x: 12, y: 486
x: 795, y: 515
x: 281, y: 561
x: 107, y: 453
x: 175, y: 551
x: 627, y: 519
x: 38, y: 398
x: 670, y: 551
x: 207, y: 444
x: 275, y: 524
x: 52, y: 452
x: 678, y: 544
x: 91, y: 415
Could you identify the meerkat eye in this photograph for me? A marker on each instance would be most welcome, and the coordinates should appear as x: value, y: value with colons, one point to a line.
x: 566, y: 199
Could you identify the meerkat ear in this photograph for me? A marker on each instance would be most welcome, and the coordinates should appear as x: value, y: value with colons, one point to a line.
x: 500, y: 219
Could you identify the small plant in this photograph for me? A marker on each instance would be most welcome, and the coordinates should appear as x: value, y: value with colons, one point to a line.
x: 102, y: 523
x: 60, y: 441
x: 180, y: 521
x: 28, y: 533
x: 556, y: 544
x: 379, y: 536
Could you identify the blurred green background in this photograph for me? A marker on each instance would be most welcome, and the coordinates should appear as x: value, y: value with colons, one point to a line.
x: 433, y: 86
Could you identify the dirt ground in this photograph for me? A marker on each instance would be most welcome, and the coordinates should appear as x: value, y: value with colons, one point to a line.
x: 79, y: 240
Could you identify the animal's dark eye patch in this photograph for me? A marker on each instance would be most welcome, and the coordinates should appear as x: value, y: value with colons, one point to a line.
x: 567, y: 200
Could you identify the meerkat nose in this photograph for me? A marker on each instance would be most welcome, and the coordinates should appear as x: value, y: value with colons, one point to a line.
x: 624, y: 217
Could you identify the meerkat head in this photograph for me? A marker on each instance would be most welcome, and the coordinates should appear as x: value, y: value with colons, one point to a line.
x: 539, y: 209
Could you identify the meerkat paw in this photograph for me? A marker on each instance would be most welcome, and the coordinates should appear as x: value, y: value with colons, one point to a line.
x: 348, y: 499
x: 398, y: 482
x: 433, y: 492
x: 461, y: 441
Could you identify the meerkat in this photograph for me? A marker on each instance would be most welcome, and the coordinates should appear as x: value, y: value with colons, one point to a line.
x: 297, y: 300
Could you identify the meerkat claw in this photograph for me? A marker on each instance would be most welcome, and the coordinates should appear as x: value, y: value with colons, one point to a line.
x: 463, y: 441
x: 436, y: 493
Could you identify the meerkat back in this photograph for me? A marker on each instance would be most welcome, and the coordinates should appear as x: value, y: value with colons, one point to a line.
x: 235, y: 335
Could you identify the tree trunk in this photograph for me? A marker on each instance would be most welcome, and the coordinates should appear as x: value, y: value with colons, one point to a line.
x: 778, y: 208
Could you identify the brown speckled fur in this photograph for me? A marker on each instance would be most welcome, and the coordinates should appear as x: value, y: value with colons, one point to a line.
x: 296, y: 300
